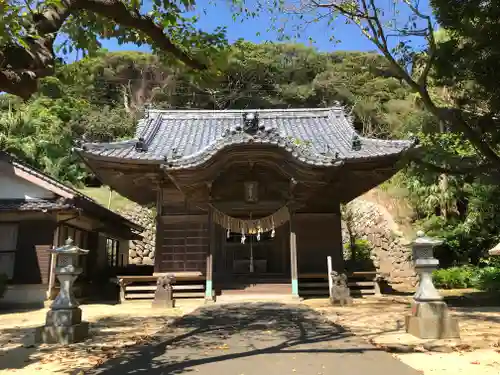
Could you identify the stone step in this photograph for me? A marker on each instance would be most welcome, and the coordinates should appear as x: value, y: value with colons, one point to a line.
x: 246, y: 297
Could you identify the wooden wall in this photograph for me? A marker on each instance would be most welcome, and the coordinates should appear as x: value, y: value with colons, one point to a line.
x: 183, y: 235
x: 32, y: 262
x: 318, y: 236
x: 183, y: 243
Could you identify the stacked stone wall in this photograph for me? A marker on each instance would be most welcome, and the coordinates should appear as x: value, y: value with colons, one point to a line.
x: 390, y: 252
x: 142, y: 251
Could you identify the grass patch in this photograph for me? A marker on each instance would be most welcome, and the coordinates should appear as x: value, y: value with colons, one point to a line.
x: 101, y: 195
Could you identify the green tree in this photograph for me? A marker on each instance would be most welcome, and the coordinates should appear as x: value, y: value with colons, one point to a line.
x: 468, y: 57
x: 28, y: 31
x: 405, y: 23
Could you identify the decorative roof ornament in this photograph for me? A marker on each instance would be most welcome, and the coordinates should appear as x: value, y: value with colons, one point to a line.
x: 141, y: 145
x: 350, y: 117
x: 251, y: 123
x: 356, y: 142
x: 330, y: 152
x: 173, y: 155
x: 80, y: 142
x: 147, y: 108
x: 176, y: 154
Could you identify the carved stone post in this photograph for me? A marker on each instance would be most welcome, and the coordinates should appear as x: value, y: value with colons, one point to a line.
x: 430, y: 318
x: 64, y: 319
x: 164, y: 295
x: 340, y: 292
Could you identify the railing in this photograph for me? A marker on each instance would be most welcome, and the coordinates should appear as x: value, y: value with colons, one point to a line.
x: 187, y: 285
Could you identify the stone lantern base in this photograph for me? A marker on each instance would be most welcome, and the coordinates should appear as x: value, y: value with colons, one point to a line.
x: 63, y: 326
x: 431, y: 320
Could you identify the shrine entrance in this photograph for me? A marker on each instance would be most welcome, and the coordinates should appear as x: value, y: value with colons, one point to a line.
x: 257, y: 255
x: 250, y: 215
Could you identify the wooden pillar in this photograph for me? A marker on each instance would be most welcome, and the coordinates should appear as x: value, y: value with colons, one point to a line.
x: 209, y: 289
x: 293, y: 259
x: 159, y: 231
x: 53, y: 261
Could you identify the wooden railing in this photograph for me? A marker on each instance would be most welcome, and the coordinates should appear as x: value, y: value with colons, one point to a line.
x: 187, y: 285
x: 360, y: 283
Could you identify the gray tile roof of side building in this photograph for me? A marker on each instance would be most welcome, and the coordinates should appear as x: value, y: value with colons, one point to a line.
x: 7, y: 205
x: 187, y: 138
x: 76, y: 200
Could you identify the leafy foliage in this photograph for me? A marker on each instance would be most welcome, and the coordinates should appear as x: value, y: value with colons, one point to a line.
x: 100, y: 96
x: 468, y: 59
x: 359, y: 250
x: 43, y: 131
x: 28, y: 32
x: 488, y: 279
x: 454, y: 277
x: 482, y: 278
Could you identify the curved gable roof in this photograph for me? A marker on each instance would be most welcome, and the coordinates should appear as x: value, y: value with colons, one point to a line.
x: 188, y: 138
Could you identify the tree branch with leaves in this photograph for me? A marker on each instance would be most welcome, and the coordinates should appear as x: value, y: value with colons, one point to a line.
x: 393, y: 38
x: 28, y: 32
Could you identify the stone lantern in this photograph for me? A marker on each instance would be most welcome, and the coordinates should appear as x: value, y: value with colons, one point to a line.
x: 64, y: 319
x: 430, y: 318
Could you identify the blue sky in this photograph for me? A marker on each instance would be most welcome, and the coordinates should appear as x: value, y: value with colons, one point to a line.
x: 348, y: 36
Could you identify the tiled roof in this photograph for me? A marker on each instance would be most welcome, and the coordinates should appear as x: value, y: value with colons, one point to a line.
x: 74, y: 199
x: 184, y: 139
x: 34, y: 204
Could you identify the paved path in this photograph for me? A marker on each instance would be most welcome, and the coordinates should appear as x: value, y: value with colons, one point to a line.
x: 256, y: 339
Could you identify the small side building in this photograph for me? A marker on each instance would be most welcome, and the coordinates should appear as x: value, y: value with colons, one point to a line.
x: 37, y: 213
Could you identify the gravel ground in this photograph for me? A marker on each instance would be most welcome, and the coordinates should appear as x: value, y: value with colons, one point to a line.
x: 114, y: 328
x: 381, y: 321
x: 119, y: 328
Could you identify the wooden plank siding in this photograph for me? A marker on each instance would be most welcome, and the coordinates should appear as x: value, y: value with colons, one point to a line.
x: 32, y: 255
x: 184, y: 244
x: 43, y: 257
x: 318, y: 236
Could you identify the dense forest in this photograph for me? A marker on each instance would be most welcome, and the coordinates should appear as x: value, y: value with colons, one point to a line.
x: 100, y: 97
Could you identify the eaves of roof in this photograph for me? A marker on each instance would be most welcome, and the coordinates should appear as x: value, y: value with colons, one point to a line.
x: 319, y: 137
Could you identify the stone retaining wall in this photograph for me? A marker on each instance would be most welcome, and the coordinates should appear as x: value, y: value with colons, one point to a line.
x: 142, y: 251
x: 390, y: 252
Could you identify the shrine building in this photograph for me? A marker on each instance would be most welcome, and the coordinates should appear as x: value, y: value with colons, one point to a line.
x: 246, y: 196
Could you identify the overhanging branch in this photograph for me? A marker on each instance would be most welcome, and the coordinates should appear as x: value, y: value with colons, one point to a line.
x: 21, y: 68
x: 469, y: 170
x: 117, y: 11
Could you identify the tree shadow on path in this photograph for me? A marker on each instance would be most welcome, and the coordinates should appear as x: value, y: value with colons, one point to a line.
x: 224, y: 332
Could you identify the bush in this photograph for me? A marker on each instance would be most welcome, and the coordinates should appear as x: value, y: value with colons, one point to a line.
x: 455, y: 277
x: 360, y: 251
x: 488, y: 279
x: 3, y: 284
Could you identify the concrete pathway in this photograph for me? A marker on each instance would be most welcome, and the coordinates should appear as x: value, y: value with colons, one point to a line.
x: 256, y: 339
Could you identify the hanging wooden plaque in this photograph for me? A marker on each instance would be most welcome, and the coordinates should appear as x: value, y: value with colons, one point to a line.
x: 251, y: 191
